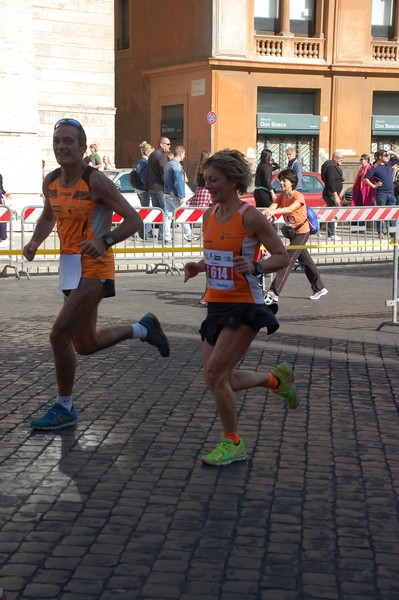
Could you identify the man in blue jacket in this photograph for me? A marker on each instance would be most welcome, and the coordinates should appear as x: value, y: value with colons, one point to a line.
x: 175, y: 191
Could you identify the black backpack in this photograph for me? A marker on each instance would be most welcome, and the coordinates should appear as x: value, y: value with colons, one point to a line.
x: 135, y: 180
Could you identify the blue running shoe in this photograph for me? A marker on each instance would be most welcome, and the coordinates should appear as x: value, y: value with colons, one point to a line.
x: 56, y: 417
x: 155, y: 335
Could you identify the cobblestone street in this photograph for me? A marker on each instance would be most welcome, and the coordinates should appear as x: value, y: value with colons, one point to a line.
x: 120, y: 506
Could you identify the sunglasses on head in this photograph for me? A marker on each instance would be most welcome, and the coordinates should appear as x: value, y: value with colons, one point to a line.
x: 67, y: 121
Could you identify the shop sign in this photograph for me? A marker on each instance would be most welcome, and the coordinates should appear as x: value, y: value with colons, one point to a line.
x: 172, y: 128
x: 288, y: 123
x: 382, y: 125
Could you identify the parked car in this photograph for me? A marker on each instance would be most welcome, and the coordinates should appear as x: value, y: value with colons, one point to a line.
x: 312, y: 189
x: 122, y: 181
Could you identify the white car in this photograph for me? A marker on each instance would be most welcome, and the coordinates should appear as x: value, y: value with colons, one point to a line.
x: 122, y: 181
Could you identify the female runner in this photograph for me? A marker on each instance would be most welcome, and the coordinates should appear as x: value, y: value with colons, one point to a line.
x: 233, y: 232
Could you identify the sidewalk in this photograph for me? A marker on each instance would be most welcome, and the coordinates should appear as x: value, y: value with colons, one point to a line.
x: 121, y: 508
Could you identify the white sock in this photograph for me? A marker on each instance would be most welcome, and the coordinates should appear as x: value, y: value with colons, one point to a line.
x: 139, y: 331
x: 65, y: 401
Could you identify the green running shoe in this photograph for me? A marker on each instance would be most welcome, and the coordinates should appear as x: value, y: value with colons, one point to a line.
x: 286, y: 389
x: 225, y: 453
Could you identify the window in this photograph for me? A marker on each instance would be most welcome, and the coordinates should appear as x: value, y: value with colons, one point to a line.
x: 386, y: 103
x: 382, y: 19
x: 302, y: 13
x: 266, y: 13
x: 290, y: 101
x: 122, y: 21
x: 123, y: 184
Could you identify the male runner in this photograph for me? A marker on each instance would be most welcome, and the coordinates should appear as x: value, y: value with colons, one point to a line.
x: 81, y: 200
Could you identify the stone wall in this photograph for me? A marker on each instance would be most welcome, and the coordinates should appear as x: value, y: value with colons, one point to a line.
x: 57, y: 60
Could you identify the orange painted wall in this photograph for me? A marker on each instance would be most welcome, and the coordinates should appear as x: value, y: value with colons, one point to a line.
x: 173, y: 46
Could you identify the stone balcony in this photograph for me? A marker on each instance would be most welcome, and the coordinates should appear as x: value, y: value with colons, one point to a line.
x: 385, y: 52
x: 297, y: 48
x: 312, y: 49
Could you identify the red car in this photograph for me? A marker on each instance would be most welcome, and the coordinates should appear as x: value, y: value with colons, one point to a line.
x: 312, y: 189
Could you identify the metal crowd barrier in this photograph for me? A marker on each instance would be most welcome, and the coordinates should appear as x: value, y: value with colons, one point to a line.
x: 356, y: 228
x: 6, y: 258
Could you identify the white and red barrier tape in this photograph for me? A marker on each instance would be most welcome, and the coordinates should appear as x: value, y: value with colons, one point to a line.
x: 357, y: 213
x: 5, y: 214
x: 31, y: 214
x: 194, y: 215
x: 149, y: 215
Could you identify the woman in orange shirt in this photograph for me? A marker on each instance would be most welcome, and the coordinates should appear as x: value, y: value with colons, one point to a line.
x: 291, y: 205
x: 233, y: 232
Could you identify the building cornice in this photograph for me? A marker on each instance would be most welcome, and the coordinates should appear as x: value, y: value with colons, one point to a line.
x: 272, y: 66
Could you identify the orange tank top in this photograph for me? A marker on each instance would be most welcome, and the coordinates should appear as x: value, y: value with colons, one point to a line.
x: 80, y: 218
x: 221, y: 244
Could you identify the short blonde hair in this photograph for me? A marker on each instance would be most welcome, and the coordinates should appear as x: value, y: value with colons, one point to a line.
x: 94, y: 146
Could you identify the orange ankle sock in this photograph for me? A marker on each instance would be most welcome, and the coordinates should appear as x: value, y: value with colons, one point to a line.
x: 272, y: 382
x: 233, y: 436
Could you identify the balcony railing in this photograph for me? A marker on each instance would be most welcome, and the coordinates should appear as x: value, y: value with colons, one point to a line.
x: 385, y: 51
x: 289, y: 47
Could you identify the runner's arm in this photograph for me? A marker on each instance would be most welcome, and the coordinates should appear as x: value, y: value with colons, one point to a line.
x: 44, y: 226
x: 191, y: 269
x: 104, y: 190
x: 259, y: 226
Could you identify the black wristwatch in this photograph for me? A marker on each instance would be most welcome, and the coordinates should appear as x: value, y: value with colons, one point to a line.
x: 258, y: 268
x: 108, y: 240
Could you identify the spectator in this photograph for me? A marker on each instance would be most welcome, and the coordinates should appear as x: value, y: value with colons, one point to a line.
x: 275, y: 166
x: 94, y: 158
x: 154, y: 181
x: 362, y: 194
x: 295, y: 164
x: 107, y: 165
x: 175, y: 191
x: 264, y: 194
x: 202, y: 197
x: 291, y: 205
x: 395, y: 179
x: 331, y: 174
x: 144, y: 197
x: 383, y: 184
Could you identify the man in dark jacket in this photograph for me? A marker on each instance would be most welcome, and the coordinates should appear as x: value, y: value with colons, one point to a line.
x: 331, y: 174
x: 154, y: 176
x: 382, y: 175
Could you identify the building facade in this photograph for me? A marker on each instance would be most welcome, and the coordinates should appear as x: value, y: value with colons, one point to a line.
x: 57, y: 60
x: 317, y: 74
